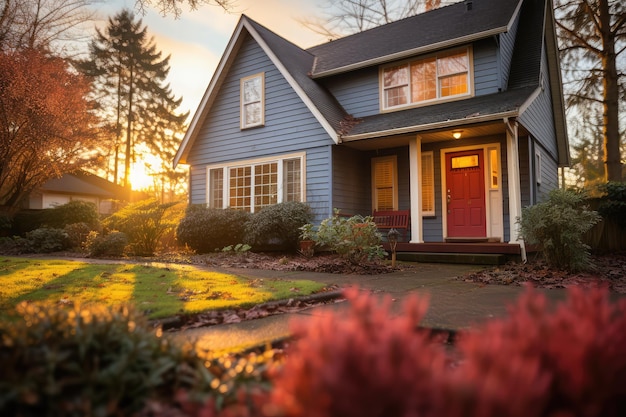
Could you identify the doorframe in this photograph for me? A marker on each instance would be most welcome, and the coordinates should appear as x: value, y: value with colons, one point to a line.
x: 489, y: 211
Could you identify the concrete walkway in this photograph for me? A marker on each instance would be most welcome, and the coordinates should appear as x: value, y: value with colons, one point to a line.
x: 454, y: 304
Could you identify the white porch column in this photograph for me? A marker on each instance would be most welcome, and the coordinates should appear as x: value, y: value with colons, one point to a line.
x: 515, y: 193
x: 415, y: 187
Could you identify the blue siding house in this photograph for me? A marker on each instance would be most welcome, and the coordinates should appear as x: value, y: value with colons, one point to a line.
x: 455, y: 115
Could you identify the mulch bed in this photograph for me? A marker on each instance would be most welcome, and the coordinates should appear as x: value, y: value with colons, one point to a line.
x: 608, y: 270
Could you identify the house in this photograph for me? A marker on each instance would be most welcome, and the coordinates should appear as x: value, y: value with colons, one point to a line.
x: 80, y: 186
x: 455, y: 114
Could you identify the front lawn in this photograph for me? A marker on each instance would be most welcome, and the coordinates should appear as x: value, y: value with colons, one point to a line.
x: 158, y: 291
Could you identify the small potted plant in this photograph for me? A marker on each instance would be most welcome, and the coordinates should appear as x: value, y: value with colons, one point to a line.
x: 307, y: 240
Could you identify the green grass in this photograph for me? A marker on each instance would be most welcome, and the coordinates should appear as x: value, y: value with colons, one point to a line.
x: 158, y: 291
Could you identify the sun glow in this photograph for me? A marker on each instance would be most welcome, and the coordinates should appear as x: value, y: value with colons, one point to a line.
x: 140, y: 178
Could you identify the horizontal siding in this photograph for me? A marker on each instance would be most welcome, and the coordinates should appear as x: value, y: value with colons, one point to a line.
x: 289, y: 127
x: 507, y: 45
x: 351, y: 181
x: 538, y: 118
x: 357, y: 91
x: 525, y: 166
x: 197, y: 185
x: 549, y: 175
x: 486, y: 76
x: 318, y: 182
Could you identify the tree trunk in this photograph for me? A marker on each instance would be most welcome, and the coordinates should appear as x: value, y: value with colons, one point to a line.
x: 610, y: 102
x: 129, y: 131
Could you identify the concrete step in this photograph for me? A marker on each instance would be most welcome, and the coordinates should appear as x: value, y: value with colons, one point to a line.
x: 453, y: 258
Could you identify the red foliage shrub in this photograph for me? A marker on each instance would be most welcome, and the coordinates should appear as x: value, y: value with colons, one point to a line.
x: 362, y: 362
x: 570, y: 361
x: 366, y: 361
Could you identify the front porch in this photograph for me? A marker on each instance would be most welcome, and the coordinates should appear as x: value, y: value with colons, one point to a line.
x: 482, y: 253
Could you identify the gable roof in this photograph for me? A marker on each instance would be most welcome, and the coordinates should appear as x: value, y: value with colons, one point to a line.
x: 440, y: 28
x: 445, y: 27
x: 294, y: 64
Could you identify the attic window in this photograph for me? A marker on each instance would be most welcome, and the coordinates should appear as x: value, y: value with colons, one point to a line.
x: 426, y: 80
x: 253, y: 101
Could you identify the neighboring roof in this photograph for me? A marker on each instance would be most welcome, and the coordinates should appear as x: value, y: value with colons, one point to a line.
x: 85, y: 184
x: 472, y: 110
x: 440, y: 28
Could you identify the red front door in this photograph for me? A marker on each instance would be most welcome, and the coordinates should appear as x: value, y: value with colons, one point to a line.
x: 465, y: 186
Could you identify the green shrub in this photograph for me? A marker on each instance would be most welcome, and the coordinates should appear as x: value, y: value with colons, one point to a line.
x: 77, y: 234
x: 207, y: 230
x: 144, y: 223
x: 88, y: 361
x: 46, y: 240
x: 26, y: 220
x: 613, y: 203
x: 112, y: 244
x: 557, y: 227
x: 278, y: 225
x: 355, y: 238
x: 71, y: 213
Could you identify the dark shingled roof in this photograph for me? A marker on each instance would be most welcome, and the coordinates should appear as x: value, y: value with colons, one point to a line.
x: 526, y: 62
x: 439, y: 26
x: 461, y: 110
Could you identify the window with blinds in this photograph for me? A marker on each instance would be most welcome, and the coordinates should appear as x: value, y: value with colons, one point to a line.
x: 428, y: 184
x: 384, y: 183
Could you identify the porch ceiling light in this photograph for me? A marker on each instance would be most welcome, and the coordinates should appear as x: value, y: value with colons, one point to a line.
x: 456, y: 134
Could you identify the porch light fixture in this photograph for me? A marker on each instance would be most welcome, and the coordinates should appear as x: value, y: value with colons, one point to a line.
x: 456, y: 134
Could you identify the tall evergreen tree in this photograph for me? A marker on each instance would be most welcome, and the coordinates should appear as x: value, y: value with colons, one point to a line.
x: 593, y: 40
x: 129, y: 76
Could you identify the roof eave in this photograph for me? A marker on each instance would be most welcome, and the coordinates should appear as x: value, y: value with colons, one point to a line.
x: 412, y: 52
x: 431, y: 126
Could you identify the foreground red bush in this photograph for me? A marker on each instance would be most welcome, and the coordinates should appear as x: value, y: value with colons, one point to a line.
x: 361, y: 362
x: 366, y: 361
x: 568, y: 361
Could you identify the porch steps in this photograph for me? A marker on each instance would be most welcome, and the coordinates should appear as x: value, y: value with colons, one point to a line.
x: 453, y: 258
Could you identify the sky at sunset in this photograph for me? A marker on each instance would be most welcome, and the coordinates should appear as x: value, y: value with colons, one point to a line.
x: 197, y: 39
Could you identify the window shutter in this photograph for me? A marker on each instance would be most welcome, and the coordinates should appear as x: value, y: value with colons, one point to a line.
x: 384, y: 181
x: 428, y: 184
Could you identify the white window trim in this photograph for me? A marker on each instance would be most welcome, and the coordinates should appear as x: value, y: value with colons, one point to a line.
x: 538, y: 166
x: 252, y: 162
x: 242, y: 104
x: 470, y: 81
x: 431, y: 155
x: 394, y: 160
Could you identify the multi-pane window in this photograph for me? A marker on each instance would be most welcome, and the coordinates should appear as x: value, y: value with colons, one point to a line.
x: 252, y: 101
x: 240, y: 187
x: 432, y: 78
x: 292, y: 183
x: 265, y: 185
x: 252, y: 186
x: 216, y: 187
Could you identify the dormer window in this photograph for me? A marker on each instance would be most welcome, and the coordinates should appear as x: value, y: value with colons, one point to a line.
x: 437, y: 77
x: 253, y: 101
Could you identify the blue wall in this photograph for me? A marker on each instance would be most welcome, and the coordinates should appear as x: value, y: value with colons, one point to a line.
x: 289, y: 127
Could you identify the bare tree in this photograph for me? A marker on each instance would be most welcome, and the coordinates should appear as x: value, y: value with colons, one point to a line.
x: 43, y: 24
x: 166, y: 7
x: 592, y: 34
x: 344, y: 17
